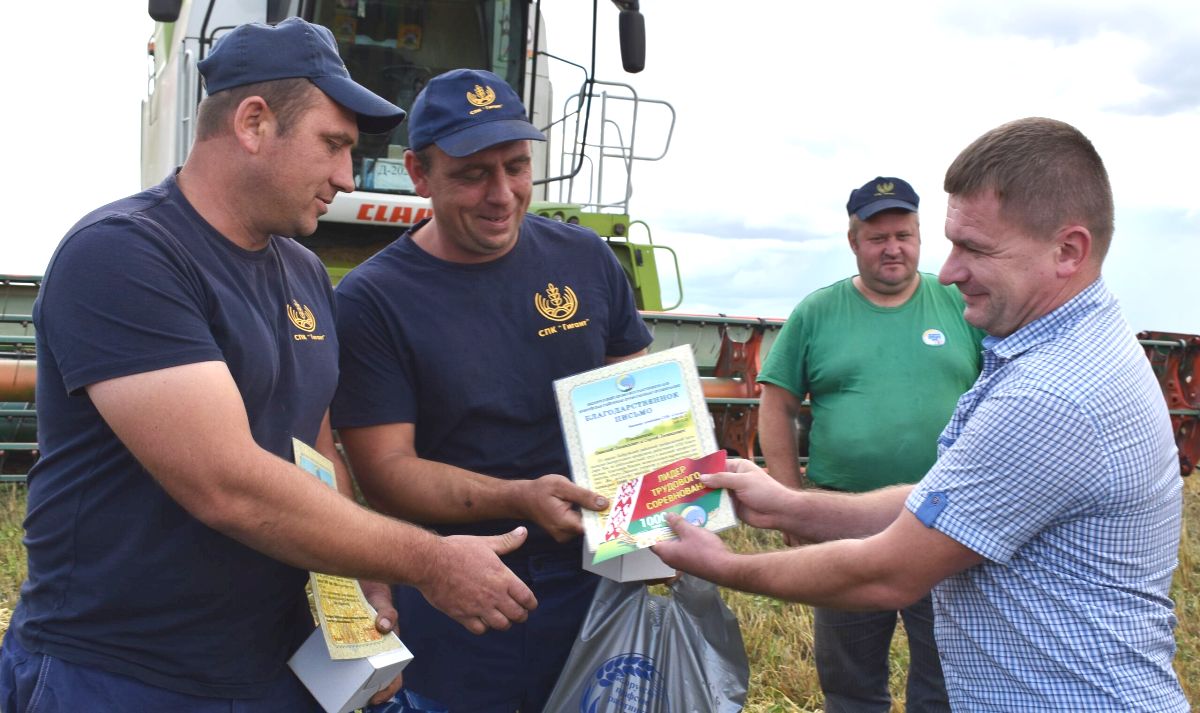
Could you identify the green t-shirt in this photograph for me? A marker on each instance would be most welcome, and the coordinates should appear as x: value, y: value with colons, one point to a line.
x: 883, y: 381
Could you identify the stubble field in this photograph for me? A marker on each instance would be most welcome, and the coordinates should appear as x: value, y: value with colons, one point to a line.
x: 778, y: 635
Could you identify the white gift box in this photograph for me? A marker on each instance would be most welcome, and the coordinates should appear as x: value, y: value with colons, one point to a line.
x: 344, y: 685
x: 633, y: 567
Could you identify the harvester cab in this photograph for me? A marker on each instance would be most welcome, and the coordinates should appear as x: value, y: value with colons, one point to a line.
x: 582, y: 173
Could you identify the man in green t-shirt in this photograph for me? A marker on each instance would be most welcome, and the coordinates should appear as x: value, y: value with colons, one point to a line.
x: 883, y: 357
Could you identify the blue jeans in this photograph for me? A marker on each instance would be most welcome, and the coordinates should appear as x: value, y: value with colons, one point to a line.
x: 39, y: 683
x: 500, y: 671
x: 852, y: 660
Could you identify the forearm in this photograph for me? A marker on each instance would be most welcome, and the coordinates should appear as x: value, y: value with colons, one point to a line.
x: 888, y: 570
x: 276, y: 508
x: 326, y: 446
x: 777, y: 431
x: 845, y: 574
x: 426, y: 491
x: 205, y: 458
x: 820, y: 516
x: 396, y: 481
x: 323, y: 531
x: 777, y: 438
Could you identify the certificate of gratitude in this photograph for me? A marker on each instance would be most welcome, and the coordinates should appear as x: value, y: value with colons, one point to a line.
x: 631, y: 418
x: 345, y: 617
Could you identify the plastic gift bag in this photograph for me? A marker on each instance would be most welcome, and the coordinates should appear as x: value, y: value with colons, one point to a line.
x: 639, y: 652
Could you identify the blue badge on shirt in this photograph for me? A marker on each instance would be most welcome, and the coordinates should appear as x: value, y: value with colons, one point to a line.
x: 933, y: 506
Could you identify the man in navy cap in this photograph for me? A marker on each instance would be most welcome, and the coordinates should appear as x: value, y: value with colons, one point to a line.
x: 184, y: 340
x: 883, y: 356
x: 451, y: 338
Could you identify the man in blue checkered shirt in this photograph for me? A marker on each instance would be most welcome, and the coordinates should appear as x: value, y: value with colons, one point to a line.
x: 1048, y: 529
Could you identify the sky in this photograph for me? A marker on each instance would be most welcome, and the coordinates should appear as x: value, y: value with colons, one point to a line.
x: 781, y: 109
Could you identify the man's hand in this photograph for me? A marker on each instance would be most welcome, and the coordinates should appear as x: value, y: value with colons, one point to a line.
x: 467, y: 581
x: 379, y: 595
x: 760, y: 500
x: 550, y: 502
x: 697, y: 551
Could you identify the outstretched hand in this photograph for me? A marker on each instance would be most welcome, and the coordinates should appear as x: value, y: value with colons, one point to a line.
x: 550, y: 502
x: 468, y: 582
x: 760, y: 500
x: 697, y: 551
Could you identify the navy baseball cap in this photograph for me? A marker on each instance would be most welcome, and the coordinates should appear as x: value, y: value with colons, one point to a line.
x: 468, y: 110
x: 882, y: 193
x: 294, y: 49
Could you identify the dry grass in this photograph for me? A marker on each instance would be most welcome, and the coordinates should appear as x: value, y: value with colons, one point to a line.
x: 12, y: 552
x: 1186, y: 593
x: 778, y: 635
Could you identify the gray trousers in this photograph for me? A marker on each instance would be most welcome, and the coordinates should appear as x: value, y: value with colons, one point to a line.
x: 852, y: 660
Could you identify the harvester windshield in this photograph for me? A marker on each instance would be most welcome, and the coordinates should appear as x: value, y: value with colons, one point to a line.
x: 395, y: 46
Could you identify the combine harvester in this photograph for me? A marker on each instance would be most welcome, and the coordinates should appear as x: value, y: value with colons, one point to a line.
x: 583, y: 175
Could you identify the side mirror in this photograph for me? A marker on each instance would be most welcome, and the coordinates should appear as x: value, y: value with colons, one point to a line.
x: 633, y: 36
x: 165, y: 10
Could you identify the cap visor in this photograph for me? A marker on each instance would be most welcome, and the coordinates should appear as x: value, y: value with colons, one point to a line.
x: 376, y: 115
x: 871, y: 209
x: 473, y: 139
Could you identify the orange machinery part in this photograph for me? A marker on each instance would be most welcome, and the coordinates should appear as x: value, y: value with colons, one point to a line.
x: 18, y: 376
x: 17, y: 379
x: 734, y: 381
x: 719, y: 387
x: 1175, y: 359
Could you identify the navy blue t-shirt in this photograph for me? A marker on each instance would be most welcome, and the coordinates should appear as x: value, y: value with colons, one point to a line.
x: 468, y: 352
x: 120, y: 576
